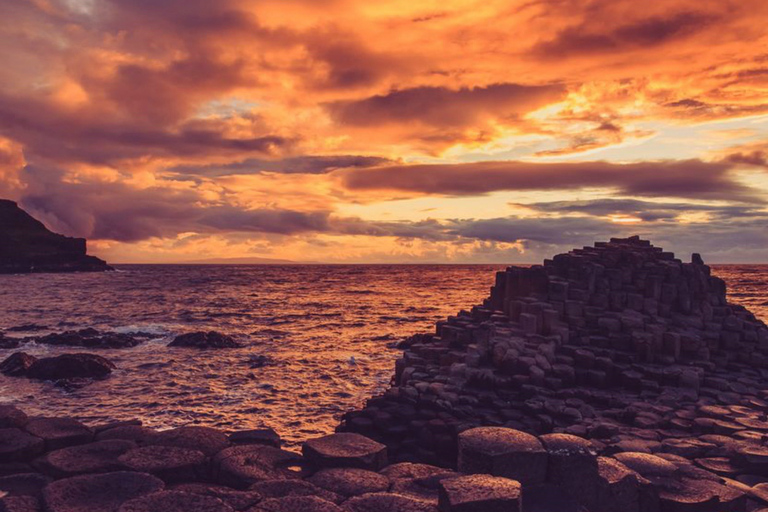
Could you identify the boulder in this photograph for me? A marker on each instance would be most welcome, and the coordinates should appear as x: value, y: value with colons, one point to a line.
x: 175, y: 501
x: 17, y: 445
x: 12, y: 417
x: 90, y: 338
x: 98, y: 493
x: 205, y: 439
x: 59, y: 432
x: 503, y: 452
x: 345, y: 450
x: 265, y: 436
x: 350, y: 481
x: 98, y: 457
x: 480, y: 493
x: 210, y: 339
x: 243, y: 466
x: 71, y: 366
x: 169, y: 463
x: 17, y: 364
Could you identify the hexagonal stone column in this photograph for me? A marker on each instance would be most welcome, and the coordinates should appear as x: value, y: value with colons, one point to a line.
x: 503, y: 452
x: 480, y: 493
x: 346, y: 450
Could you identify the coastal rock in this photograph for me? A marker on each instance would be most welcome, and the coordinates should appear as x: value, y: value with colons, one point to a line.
x: 98, y: 493
x: 89, y: 338
x: 98, y: 457
x: 205, y: 439
x: 503, y: 452
x: 169, y: 463
x: 26, y: 245
x: 175, y: 501
x: 17, y: 364
x: 387, y: 502
x: 25, y: 484
x: 293, y: 487
x: 70, y: 366
x: 265, y: 436
x: 238, y: 500
x: 59, y: 432
x: 480, y: 493
x: 12, y: 417
x: 350, y: 481
x: 17, y: 445
x: 345, y: 450
x: 210, y: 339
x: 295, y: 504
x: 243, y: 466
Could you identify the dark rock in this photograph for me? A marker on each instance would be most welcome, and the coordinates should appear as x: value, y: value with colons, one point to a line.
x: 175, y: 501
x: 387, y: 502
x: 70, y: 366
x: 98, y: 493
x: 243, y: 466
x: 345, y: 450
x: 210, y: 339
x: 17, y: 445
x: 26, y: 484
x: 7, y: 343
x: 503, y: 452
x: 480, y: 493
x: 15, y: 468
x: 205, y: 439
x: 27, y: 246
x: 350, y: 481
x: 98, y: 457
x: 136, y: 433
x: 285, y: 488
x: 238, y: 500
x: 20, y: 504
x: 265, y: 436
x: 12, y: 417
x: 89, y: 338
x: 170, y: 463
x: 59, y: 432
x: 296, y: 504
x: 17, y: 364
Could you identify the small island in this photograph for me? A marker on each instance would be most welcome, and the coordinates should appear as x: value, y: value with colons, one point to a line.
x: 26, y: 246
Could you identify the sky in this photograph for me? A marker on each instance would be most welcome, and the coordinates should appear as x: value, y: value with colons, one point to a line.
x: 350, y: 131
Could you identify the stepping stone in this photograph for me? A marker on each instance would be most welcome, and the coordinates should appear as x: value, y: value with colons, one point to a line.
x: 619, y: 488
x: 572, y: 466
x: 688, y: 495
x: 19, y: 504
x: 718, y: 465
x: 387, y: 502
x: 175, y: 501
x: 350, y: 481
x: 503, y: 452
x: 265, y: 436
x: 480, y: 493
x: 12, y: 417
x: 410, y: 470
x: 98, y: 493
x: 238, y: 500
x: 296, y: 504
x: 26, y: 484
x: 345, y: 450
x: 169, y: 463
x: 59, y: 432
x: 242, y: 466
x: 17, y: 445
x: 285, y: 488
x: 98, y: 457
x: 646, y: 464
x: 207, y: 440
x: 137, y: 433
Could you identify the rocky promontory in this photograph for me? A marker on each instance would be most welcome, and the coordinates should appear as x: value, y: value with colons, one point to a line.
x: 26, y: 245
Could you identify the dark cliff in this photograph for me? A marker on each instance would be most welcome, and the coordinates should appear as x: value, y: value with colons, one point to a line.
x: 26, y: 245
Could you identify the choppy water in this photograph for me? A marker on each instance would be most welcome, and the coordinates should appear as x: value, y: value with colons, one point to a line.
x: 329, y: 329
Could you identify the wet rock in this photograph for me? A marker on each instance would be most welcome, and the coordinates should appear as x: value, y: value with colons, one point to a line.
x: 647, y: 465
x: 25, y: 484
x: 17, y: 364
x: 266, y: 436
x: 387, y: 502
x: 345, y: 450
x: 169, y: 463
x: 480, y: 493
x: 296, y: 504
x: 17, y: 445
x: 98, y: 493
x: 15, y: 468
x: 59, y: 432
x: 71, y: 366
x: 205, y: 439
x: 12, y: 417
x: 284, y: 488
x: 98, y: 457
x: 210, y: 339
x: 90, y: 338
x: 175, y: 501
x: 350, y: 481
x: 136, y: 433
x: 243, y: 466
x: 503, y: 452
x: 238, y: 500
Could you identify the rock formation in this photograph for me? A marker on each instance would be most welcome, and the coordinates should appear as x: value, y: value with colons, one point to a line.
x: 27, y: 246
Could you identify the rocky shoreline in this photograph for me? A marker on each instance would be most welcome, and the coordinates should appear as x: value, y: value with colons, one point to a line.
x: 611, y: 378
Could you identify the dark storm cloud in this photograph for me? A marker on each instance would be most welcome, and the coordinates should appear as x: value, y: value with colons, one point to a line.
x: 640, y: 34
x: 441, y: 106
x: 689, y: 178
x: 296, y: 165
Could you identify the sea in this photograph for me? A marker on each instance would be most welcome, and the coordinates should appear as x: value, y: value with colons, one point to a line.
x: 318, y: 339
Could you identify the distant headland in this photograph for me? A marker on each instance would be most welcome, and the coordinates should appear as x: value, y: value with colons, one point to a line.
x: 26, y: 245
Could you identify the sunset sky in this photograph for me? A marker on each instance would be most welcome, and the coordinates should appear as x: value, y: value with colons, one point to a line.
x: 391, y: 131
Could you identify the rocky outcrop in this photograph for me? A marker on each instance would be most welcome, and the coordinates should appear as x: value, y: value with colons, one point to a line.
x: 90, y: 338
x: 203, y: 340
x: 26, y: 245
x: 59, y: 368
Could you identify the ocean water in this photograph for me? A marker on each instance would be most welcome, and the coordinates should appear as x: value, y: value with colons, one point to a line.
x: 329, y: 332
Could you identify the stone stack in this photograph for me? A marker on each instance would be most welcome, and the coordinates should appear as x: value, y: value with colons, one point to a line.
x: 620, y: 343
